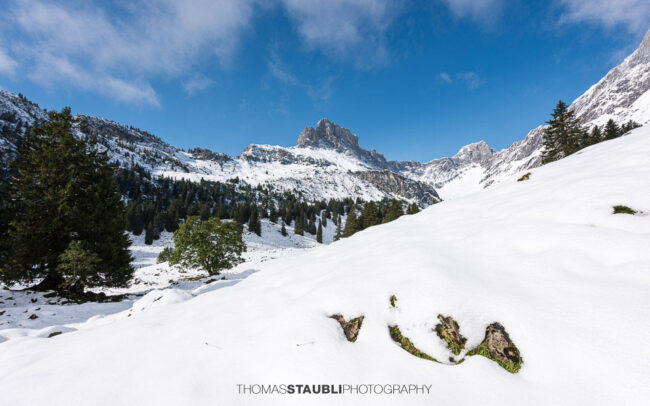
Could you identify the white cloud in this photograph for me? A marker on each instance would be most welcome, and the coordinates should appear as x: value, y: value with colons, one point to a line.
x: 122, y: 49
x: 478, y: 10
x: 197, y: 83
x: 7, y: 64
x: 344, y: 28
x: 631, y: 14
x: 469, y: 79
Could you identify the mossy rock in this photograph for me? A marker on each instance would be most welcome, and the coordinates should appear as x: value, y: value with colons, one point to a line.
x: 449, y: 332
x: 623, y: 210
x: 406, y: 344
x: 525, y: 177
x: 350, y: 328
x: 498, y: 347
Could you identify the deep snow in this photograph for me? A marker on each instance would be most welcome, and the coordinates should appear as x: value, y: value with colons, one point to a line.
x: 546, y: 257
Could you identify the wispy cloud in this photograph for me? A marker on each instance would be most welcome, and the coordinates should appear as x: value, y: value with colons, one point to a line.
x: 478, y: 10
x: 345, y: 29
x: 469, y: 79
x: 117, y: 52
x: 197, y: 83
x: 634, y: 15
x: 7, y: 64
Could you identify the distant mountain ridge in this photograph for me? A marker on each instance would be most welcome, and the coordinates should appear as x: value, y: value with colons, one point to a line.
x: 327, y: 161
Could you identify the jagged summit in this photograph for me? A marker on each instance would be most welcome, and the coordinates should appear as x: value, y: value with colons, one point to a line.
x: 328, y: 135
x: 477, y: 152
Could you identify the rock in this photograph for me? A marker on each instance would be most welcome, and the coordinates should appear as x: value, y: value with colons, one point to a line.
x: 350, y: 328
x: 393, y: 300
x: 54, y: 334
x: 498, y: 347
x: 525, y: 177
x: 449, y: 332
x: 33, y: 317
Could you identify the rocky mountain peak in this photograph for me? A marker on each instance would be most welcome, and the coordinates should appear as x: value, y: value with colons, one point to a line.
x: 477, y: 152
x: 328, y: 135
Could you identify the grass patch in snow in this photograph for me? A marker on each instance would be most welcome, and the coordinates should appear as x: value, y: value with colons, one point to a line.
x: 619, y: 209
x: 498, y: 347
x: 449, y: 331
x: 406, y: 344
x: 393, y: 300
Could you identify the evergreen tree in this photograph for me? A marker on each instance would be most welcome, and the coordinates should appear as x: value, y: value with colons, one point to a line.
x: 148, y: 234
x: 596, y: 135
x: 562, y: 135
x: 298, y: 227
x: 412, y: 209
x: 319, y: 233
x: 283, y: 230
x: 337, y: 235
x: 394, y: 211
x: 205, y: 211
x: 76, y: 264
x: 611, y: 130
x: 324, y: 220
x: 62, y: 190
x: 350, y: 224
x: 629, y: 126
x: 369, y: 216
x: 254, y: 223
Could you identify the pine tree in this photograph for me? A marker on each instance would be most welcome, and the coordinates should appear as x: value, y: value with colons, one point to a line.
x: 611, y: 130
x: 337, y: 235
x: 394, y: 211
x: 254, y: 223
x: 324, y: 220
x: 298, y: 227
x: 596, y: 135
x: 148, y: 234
x: 283, y: 230
x: 63, y: 189
x: 369, y: 216
x: 319, y: 233
x: 77, y: 264
x: 412, y: 209
x: 562, y: 135
x: 350, y: 224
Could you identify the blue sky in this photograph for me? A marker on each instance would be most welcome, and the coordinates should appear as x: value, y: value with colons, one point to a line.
x: 414, y: 79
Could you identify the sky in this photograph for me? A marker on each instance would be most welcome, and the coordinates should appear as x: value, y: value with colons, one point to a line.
x: 415, y: 80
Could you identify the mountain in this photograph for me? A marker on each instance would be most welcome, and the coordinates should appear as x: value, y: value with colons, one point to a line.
x: 546, y: 258
x: 327, y: 160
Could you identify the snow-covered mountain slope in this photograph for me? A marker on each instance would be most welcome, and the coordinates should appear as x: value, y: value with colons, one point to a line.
x: 546, y: 258
x: 327, y: 161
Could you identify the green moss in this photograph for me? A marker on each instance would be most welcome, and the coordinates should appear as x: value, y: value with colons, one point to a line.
x: 623, y: 210
x: 455, y: 345
x: 406, y: 344
x: 393, y: 300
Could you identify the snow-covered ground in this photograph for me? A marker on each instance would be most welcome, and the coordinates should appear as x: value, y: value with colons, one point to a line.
x: 546, y: 257
x: 26, y: 313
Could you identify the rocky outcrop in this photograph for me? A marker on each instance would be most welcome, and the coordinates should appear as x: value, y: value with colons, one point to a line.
x: 328, y: 135
x: 350, y: 328
x: 449, y: 332
x: 398, y: 185
x: 498, y: 347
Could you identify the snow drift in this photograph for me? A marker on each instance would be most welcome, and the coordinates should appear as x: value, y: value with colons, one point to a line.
x: 545, y: 257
